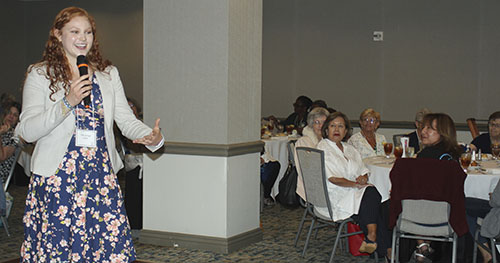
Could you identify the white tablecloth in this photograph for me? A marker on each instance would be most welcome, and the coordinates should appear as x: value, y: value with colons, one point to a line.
x: 478, y: 184
x: 277, y: 147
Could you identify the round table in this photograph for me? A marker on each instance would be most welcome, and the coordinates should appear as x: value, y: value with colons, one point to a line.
x: 479, y: 183
x: 277, y: 147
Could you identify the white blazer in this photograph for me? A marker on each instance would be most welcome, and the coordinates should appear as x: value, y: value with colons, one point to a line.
x: 47, y: 123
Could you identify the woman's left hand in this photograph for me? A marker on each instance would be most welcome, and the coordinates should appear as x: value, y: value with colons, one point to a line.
x: 362, y: 179
x: 154, y: 138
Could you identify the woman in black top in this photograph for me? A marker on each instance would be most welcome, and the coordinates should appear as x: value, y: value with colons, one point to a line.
x: 439, y: 138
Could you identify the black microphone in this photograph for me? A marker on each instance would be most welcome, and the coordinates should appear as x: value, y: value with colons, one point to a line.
x: 83, y: 68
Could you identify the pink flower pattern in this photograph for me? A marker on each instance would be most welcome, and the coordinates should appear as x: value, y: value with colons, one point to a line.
x: 77, y: 214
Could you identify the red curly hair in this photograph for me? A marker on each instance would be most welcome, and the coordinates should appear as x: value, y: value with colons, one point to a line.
x: 54, y: 58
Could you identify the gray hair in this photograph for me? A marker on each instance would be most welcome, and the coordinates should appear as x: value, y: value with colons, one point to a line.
x: 421, y: 113
x: 316, y: 113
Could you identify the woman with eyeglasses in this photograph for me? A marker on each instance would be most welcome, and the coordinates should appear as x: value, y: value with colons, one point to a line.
x: 367, y: 141
x: 311, y: 137
x: 492, y: 137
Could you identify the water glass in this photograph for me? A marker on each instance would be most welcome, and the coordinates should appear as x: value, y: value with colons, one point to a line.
x: 465, y: 160
x: 495, y: 151
x: 410, y: 151
x: 387, y: 149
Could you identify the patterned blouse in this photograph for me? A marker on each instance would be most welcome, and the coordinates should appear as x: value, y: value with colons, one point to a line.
x: 364, y: 148
x: 7, y: 140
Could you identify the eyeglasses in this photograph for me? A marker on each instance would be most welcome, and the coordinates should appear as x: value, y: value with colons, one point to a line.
x: 318, y: 122
x: 495, y: 125
x: 370, y: 120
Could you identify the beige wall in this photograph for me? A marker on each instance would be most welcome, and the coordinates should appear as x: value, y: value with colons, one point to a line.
x: 439, y: 54
x: 25, y: 26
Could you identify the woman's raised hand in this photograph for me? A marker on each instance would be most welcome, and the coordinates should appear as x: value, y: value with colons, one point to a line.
x: 4, y: 128
x: 78, y: 90
x: 154, y: 138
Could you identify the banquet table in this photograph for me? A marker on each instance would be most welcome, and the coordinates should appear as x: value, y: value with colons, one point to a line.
x: 479, y: 183
x: 277, y: 147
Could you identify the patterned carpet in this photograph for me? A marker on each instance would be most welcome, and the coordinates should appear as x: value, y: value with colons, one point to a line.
x: 279, y: 226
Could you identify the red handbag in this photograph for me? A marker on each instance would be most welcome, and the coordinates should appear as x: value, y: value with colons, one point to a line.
x: 355, y: 240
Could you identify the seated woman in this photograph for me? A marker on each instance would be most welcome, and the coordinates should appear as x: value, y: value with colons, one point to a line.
x: 478, y: 208
x: 349, y: 190
x: 299, y: 116
x: 10, y: 117
x: 367, y: 141
x: 8, y: 146
x: 311, y: 137
x: 485, y: 140
x: 269, y: 170
x: 439, y: 139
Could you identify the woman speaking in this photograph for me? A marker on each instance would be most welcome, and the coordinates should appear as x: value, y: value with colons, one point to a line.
x: 74, y: 208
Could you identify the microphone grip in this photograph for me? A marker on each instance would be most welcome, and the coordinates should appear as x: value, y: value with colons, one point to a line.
x: 86, y: 101
x: 83, y: 69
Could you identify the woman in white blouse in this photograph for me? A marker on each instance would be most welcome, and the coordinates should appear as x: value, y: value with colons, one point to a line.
x: 350, y: 192
x: 311, y: 137
x: 367, y: 141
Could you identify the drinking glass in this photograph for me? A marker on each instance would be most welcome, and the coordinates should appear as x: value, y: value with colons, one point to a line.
x: 398, y: 151
x: 465, y: 159
x: 410, y: 151
x: 495, y: 151
x: 387, y: 149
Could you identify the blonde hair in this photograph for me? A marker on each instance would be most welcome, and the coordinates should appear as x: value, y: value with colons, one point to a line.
x: 369, y: 113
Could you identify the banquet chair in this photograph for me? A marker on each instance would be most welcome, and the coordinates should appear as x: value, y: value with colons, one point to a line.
x: 425, y: 220
x: 493, y: 243
x: 312, y: 165
x: 427, y: 202
x: 474, y: 131
x: 17, y: 152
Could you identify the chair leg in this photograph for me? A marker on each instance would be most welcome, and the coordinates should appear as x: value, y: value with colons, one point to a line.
x: 301, y: 225
x: 454, y: 256
x: 339, y: 233
x: 474, y: 253
x: 316, y: 233
x: 308, y: 237
x: 393, y: 250
x: 398, y: 238
x: 493, y: 250
x: 346, y: 241
x: 5, y: 225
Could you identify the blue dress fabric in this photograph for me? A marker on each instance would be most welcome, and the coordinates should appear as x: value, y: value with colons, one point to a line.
x: 78, y: 214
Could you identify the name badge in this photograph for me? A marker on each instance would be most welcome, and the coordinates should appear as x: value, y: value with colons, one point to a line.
x: 86, y: 138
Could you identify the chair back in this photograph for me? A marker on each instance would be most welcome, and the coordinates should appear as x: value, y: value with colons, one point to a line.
x: 312, y: 166
x: 425, y: 217
x: 474, y: 131
x: 428, y: 191
x: 17, y: 152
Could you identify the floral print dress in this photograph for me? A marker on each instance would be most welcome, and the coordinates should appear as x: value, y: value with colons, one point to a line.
x: 77, y: 214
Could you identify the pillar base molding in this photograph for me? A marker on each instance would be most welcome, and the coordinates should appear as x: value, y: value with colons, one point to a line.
x: 206, y: 149
x: 214, y: 244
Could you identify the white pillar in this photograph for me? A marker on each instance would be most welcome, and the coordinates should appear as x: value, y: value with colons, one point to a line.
x: 202, y: 76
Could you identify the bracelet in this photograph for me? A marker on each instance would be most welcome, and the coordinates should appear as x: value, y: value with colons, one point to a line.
x: 66, y: 103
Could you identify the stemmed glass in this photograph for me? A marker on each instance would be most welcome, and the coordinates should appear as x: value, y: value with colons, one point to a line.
x: 387, y: 149
x: 495, y: 151
x: 465, y: 159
